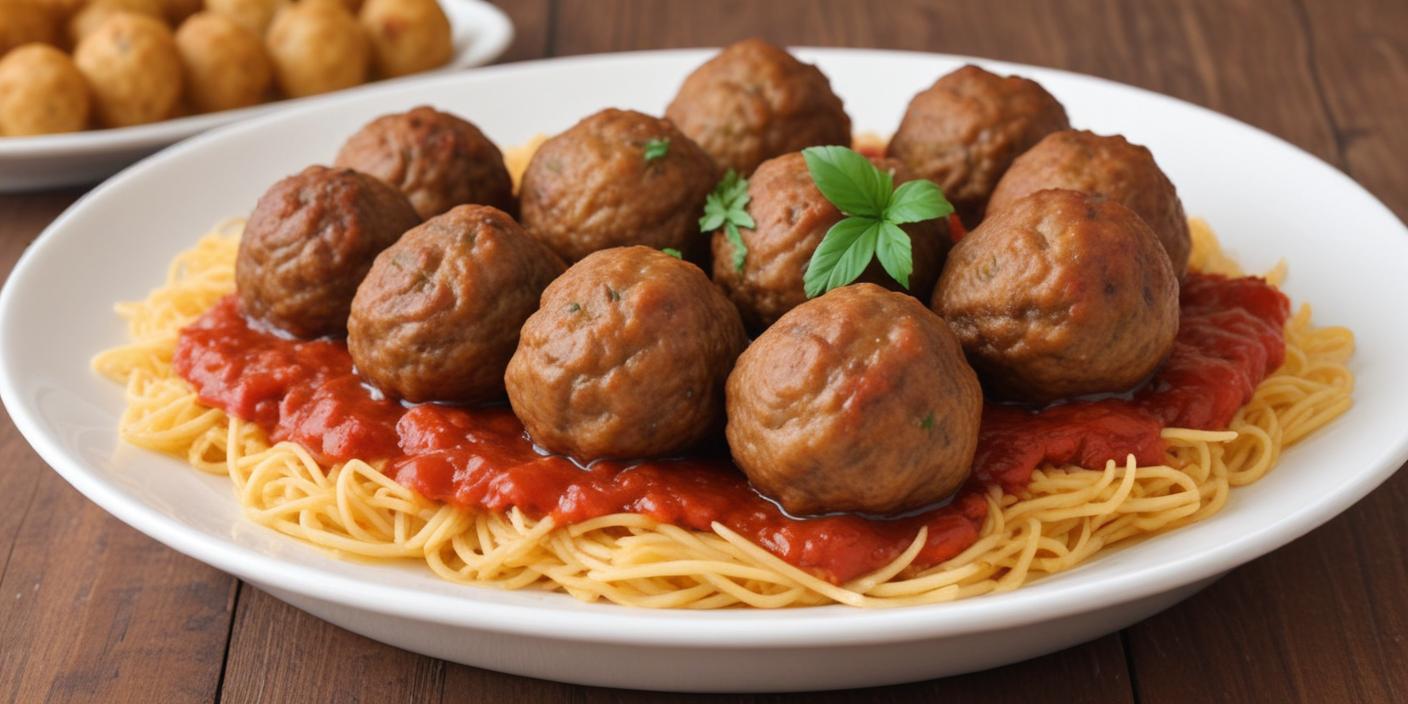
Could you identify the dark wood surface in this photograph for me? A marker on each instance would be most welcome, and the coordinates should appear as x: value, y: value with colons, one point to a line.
x: 90, y: 610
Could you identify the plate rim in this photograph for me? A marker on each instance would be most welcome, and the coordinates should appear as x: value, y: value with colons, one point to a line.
x: 805, y: 627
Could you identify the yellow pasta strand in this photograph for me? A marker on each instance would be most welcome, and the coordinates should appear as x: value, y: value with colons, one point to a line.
x: 1064, y: 517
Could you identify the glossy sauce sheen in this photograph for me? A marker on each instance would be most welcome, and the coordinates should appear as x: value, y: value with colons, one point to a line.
x: 1231, y: 337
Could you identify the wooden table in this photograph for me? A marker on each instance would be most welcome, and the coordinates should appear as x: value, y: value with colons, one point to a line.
x: 94, y: 611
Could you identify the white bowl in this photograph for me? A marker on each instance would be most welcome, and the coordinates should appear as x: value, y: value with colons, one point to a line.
x: 480, y: 30
x: 1266, y: 199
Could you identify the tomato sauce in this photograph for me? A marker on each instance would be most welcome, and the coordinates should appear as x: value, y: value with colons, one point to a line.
x: 308, y: 392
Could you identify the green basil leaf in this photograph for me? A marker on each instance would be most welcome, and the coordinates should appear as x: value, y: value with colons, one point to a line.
x: 740, y: 250
x: 848, y: 180
x: 741, y: 218
x: 843, y: 254
x: 673, y: 252
x: 895, y: 253
x: 916, y: 201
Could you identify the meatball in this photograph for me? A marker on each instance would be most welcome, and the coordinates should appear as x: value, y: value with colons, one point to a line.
x: 1107, y: 166
x: 437, y: 159
x: 859, y: 400
x: 317, y: 47
x: 437, y: 317
x: 133, y: 69
x: 754, y: 101
x: 310, y: 241
x: 1061, y: 294
x: 600, y: 184
x: 226, y: 66
x: 626, y: 357
x: 23, y: 23
x: 407, y: 36
x: 41, y: 92
x: 791, y: 219
x: 965, y: 130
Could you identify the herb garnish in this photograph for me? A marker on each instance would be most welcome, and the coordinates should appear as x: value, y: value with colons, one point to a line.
x: 725, y: 208
x: 673, y: 252
x: 874, y: 210
x: 656, y: 149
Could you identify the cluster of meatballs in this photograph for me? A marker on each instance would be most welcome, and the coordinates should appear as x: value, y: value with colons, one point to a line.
x: 584, y: 299
x: 138, y: 61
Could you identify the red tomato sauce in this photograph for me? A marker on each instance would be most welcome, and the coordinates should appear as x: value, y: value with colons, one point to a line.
x: 308, y: 392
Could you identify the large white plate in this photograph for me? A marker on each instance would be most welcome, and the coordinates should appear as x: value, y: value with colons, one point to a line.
x: 481, y: 33
x: 1266, y: 198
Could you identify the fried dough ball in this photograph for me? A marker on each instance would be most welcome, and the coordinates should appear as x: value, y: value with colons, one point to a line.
x: 94, y: 13
x: 253, y: 15
x: 791, y: 218
x: 317, y: 47
x: 1060, y: 294
x: 964, y: 131
x: 592, y: 187
x: 41, y: 92
x: 309, y: 243
x: 754, y: 101
x: 133, y: 70
x: 407, y: 36
x: 1108, y: 166
x: 437, y: 317
x: 626, y: 357
x: 24, y: 23
x: 225, y: 63
x: 859, y: 400
x: 437, y: 159
x: 176, y: 11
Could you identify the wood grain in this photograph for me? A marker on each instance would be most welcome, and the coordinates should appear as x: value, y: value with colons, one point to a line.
x: 278, y: 653
x: 96, y: 612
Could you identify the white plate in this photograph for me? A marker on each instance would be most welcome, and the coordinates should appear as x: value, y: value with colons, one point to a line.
x: 1266, y: 198
x: 481, y: 33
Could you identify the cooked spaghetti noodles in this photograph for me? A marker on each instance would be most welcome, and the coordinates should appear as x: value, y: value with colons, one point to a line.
x: 1062, y: 518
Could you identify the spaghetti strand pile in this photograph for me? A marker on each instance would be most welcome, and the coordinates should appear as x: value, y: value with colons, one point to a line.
x: 1063, y: 517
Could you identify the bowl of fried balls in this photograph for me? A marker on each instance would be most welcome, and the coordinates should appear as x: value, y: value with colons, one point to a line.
x: 70, y: 65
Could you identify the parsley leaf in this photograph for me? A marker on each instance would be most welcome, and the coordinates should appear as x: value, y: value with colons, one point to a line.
x: 849, y: 180
x: 894, y: 252
x: 917, y: 201
x: 673, y: 252
x: 726, y: 208
x: 874, y: 211
x: 842, y: 255
x: 656, y: 149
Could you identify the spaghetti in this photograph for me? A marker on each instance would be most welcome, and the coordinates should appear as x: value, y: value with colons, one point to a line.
x: 1062, y: 517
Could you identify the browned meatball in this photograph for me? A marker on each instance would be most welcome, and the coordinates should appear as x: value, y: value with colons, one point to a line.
x: 965, y: 130
x: 308, y: 243
x: 1060, y: 294
x: 437, y: 159
x: 594, y: 186
x: 1107, y: 166
x: 626, y: 357
x: 859, y: 400
x: 437, y: 317
x: 754, y: 101
x: 791, y: 218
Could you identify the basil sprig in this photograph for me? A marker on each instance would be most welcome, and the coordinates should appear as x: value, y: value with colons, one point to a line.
x: 726, y: 208
x: 874, y: 211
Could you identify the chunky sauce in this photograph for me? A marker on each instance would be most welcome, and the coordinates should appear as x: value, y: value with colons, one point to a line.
x: 308, y: 392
